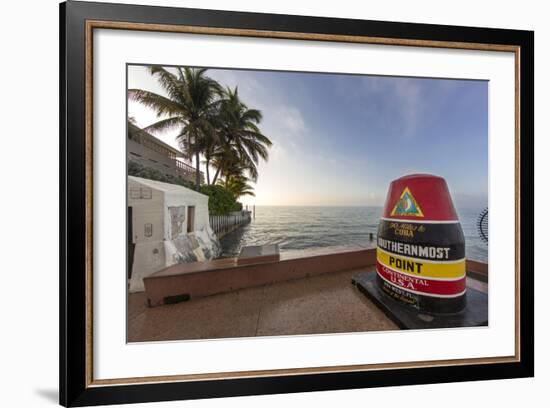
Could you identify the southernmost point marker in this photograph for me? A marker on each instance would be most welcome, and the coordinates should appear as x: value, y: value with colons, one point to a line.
x: 420, y: 249
x: 420, y: 259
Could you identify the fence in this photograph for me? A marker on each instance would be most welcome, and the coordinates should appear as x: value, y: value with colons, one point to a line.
x: 224, y: 224
x: 187, y: 171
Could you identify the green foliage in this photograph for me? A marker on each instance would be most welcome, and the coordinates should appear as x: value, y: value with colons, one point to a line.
x: 220, y: 201
x: 238, y: 186
x: 192, y: 99
x: 241, y: 144
x: 139, y: 170
x: 210, y: 121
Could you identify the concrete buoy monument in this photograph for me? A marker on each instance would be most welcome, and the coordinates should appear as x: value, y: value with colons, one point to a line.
x: 420, y: 247
x: 420, y: 259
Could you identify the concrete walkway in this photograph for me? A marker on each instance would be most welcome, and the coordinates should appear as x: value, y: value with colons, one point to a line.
x: 323, y: 304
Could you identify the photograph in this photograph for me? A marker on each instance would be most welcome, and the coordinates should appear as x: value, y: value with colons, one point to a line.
x: 255, y: 203
x: 281, y: 203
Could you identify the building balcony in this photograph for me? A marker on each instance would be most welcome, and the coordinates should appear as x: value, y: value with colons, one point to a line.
x: 151, y: 152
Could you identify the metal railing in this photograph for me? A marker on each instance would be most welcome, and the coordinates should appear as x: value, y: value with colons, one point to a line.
x: 186, y: 168
x: 187, y: 171
x: 224, y: 224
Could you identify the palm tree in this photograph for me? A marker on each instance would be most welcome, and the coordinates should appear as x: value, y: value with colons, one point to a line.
x: 191, y: 105
x: 241, y: 144
x: 227, y: 163
x: 238, y: 186
x: 211, y: 144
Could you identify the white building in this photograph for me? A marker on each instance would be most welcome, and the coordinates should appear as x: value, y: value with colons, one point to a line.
x: 167, y: 224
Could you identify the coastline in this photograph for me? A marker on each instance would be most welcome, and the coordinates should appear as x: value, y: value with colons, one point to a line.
x: 303, y: 230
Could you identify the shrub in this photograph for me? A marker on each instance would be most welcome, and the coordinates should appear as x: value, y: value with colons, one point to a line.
x: 220, y: 201
x: 139, y: 170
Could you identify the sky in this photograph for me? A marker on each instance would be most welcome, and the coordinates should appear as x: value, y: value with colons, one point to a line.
x: 340, y: 139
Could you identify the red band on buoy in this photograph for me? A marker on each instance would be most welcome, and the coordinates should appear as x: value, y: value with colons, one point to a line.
x: 422, y: 286
x: 419, y: 197
x: 420, y: 254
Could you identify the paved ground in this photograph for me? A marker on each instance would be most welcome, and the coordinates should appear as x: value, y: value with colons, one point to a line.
x: 322, y: 304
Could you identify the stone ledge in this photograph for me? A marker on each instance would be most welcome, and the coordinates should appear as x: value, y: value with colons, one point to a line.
x: 197, y: 279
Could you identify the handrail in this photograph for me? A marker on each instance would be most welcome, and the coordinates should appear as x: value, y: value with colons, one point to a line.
x: 224, y: 224
x: 184, y: 166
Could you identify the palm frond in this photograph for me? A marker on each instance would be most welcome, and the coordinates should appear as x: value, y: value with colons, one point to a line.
x: 164, y: 125
x: 168, y: 81
x: 159, y: 103
x: 212, y: 121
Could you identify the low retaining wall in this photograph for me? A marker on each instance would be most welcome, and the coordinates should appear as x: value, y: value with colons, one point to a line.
x: 187, y: 281
x: 477, y: 270
x: 154, y: 256
x: 192, y: 280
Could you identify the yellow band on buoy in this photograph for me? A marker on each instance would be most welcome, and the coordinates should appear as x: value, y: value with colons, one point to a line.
x: 421, y: 267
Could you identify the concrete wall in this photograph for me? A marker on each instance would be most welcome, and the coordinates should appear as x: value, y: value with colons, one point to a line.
x: 186, y: 198
x: 147, y: 208
x: 151, y: 205
x: 225, y: 275
x: 159, y: 224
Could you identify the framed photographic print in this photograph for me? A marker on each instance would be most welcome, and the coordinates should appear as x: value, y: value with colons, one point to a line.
x: 255, y: 203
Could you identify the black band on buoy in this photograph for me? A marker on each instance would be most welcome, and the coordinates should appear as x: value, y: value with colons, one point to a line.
x: 420, y: 246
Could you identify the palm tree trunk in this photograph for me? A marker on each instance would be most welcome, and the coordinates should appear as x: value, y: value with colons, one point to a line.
x: 216, y: 175
x: 197, y: 172
x: 208, y: 170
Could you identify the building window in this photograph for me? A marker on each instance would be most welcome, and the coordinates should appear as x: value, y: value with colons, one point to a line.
x: 135, y: 193
x: 141, y: 192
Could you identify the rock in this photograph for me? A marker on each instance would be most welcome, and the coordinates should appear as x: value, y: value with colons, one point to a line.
x: 196, y: 246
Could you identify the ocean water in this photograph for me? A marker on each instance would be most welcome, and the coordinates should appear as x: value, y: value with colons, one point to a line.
x: 299, y: 230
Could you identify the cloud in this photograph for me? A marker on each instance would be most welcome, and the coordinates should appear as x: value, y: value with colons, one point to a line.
x: 339, y: 140
x: 250, y: 89
x: 408, y: 92
x: 399, y: 98
x: 291, y: 119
